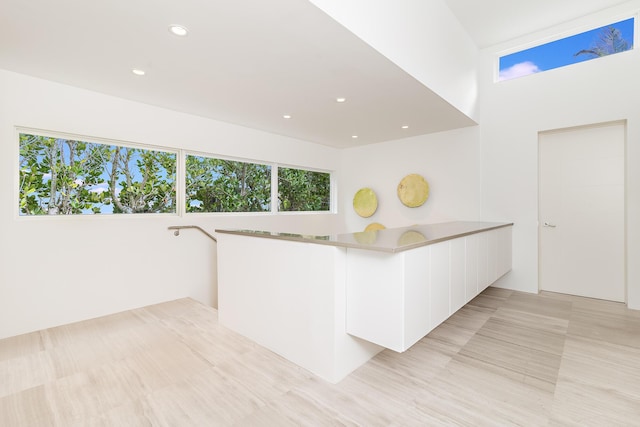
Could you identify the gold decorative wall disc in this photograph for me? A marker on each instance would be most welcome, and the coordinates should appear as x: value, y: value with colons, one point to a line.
x: 365, y: 202
x: 413, y: 190
x: 374, y: 226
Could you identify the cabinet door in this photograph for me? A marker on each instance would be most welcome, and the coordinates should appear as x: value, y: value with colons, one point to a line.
x: 440, y: 276
x: 471, y: 273
x: 457, y: 274
x: 374, y: 297
x: 504, y: 251
x: 483, y: 261
x: 493, y: 256
x: 417, y: 309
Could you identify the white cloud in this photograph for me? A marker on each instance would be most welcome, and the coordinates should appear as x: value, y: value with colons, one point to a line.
x: 518, y: 70
x: 99, y: 188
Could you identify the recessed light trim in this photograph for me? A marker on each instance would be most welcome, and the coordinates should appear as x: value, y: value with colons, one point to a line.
x: 341, y: 100
x: 354, y: 136
x: 286, y: 116
x: 178, y: 30
x: 138, y: 72
x: 405, y: 126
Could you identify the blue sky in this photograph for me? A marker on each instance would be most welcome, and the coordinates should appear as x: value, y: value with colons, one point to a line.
x: 558, y: 53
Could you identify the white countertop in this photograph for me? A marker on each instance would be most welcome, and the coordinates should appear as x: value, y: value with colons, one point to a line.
x: 388, y: 240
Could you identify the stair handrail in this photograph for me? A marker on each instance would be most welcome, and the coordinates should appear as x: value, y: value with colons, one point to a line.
x: 177, y: 229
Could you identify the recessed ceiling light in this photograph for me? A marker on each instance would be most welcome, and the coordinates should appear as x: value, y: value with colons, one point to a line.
x: 286, y: 116
x: 405, y: 127
x: 178, y: 30
x: 341, y: 100
x: 354, y: 136
x: 138, y: 72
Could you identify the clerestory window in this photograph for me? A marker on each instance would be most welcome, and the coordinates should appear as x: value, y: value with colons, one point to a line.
x: 599, y: 42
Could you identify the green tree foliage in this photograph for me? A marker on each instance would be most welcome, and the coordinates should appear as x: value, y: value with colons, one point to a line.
x: 56, y: 175
x: 62, y: 177
x: 216, y: 185
x: 303, y: 190
x: 609, y: 41
x: 154, y: 189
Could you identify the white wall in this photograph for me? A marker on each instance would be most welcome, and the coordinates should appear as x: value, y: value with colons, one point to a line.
x: 60, y: 270
x: 447, y: 160
x: 513, y: 112
x: 423, y: 37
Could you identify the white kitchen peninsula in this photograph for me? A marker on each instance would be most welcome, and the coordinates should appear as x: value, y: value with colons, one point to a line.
x: 330, y: 303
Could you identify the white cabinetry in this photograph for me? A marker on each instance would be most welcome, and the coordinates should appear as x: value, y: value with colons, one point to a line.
x: 394, y: 300
x: 330, y: 303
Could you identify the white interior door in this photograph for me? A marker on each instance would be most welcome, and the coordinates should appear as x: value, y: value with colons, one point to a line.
x: 581, y: 211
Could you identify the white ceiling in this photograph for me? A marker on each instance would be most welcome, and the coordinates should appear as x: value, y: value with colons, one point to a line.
x: 490, y: 22
x: 249, y: 62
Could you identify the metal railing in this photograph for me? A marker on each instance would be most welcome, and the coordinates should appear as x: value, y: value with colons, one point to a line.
x: 177, y: 229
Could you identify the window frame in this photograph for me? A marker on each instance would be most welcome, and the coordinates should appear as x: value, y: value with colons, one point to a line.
x: 226, y: 158
x: 575, y: 31
x: 89, y: 140
x: 275, y: 166
x: 180, y: 179
x: 331, y: 189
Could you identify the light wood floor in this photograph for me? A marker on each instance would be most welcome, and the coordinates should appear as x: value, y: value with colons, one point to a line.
x: 506, y: 358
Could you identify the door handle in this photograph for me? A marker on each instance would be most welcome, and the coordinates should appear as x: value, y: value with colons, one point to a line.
x: 547, y: 224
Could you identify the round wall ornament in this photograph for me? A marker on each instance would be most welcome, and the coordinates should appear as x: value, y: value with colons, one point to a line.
x: 413, y: 190
x: 365, y: 202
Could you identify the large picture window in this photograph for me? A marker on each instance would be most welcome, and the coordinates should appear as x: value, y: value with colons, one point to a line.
x: 60, y: 176
x: 217, y: 185
x: 67, y: 175
x: 303, y: 190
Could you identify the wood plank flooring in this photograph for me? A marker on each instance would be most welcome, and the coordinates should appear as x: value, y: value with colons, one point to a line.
x: 505, y: 359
